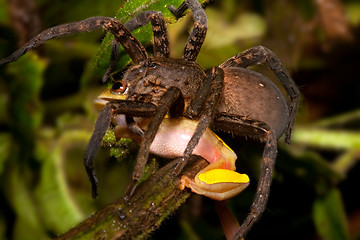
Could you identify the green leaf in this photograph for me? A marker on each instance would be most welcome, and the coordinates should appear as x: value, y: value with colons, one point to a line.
x: 329, y: 216
x: 353, y: 12
x: 5, y: 149
x: 27, y: 224
x: 4, y: 11
x: 57, y: 206
x: 327, y: 139
x: 25, y: 82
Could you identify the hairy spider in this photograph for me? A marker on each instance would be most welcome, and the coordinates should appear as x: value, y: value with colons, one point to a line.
x: 230, y: 97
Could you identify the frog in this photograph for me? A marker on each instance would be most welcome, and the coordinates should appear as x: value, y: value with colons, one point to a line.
x: 218, y: 181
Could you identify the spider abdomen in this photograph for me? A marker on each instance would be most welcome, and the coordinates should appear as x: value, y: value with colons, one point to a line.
x: 252, y: 95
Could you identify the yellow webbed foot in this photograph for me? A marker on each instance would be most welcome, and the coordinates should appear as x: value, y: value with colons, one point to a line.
x: 218, y: 184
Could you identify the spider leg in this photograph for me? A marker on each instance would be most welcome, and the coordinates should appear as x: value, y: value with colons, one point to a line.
x: 133, y: 126
x: 198, y: 102
x: 102, y: 124
x: 241, y: 126
x: 85, y: 25
x: 237, y: 125
x: 197, y: 36
x: 263, y: 189
x: 179, y: 12
x: 262, y: 55
x: 208, y: 102
x: 133, y: 47
x: 114, y: 58
x: 161, y: 39
x: 172, y: 97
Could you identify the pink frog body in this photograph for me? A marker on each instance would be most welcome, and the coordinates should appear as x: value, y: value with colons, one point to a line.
x: 218, y: 180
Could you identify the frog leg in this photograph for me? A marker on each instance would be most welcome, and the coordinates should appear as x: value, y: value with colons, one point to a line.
x: 218, y: 181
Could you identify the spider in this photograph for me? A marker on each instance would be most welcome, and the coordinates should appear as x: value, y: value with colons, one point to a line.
x: 229, y: 98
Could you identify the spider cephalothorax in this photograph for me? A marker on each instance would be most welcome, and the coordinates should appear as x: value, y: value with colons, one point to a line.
x: 149, y: 80
x: 229, y: 97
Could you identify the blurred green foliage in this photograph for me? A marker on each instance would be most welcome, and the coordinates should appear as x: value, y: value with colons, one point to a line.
x: 47, y: 116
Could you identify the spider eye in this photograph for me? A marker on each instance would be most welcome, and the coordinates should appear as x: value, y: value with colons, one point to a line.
x: 119, y: 87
